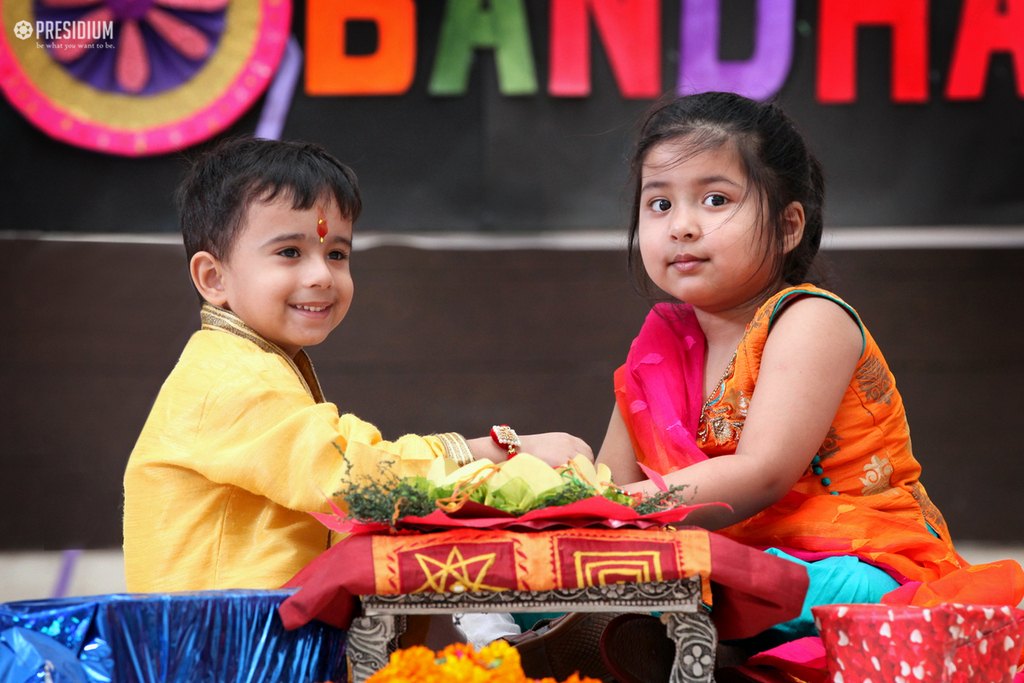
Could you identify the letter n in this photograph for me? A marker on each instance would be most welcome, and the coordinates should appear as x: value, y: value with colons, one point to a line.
x: 984, y: 30
x: 761, y: 76
x: 388, y: 71
x: 502, y: 27
x: 631, y: 33
x: 838, y: 21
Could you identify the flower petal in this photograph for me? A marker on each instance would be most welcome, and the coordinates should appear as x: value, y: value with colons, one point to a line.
x: 68, y: 50
x: 132, y: 66
x: 194, y: 5
x: 183, y: 37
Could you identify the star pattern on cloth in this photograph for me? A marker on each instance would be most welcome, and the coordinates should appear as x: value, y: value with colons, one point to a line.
x: 453, y: 574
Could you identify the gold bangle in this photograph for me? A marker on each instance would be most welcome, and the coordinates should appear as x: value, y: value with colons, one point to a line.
x: 456, y: 449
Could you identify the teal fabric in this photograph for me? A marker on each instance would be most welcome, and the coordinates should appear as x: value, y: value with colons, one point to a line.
x: 833, y: 580
x: 527, y: 621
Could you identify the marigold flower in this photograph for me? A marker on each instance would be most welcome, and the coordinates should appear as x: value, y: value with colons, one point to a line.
x: 460, y: 663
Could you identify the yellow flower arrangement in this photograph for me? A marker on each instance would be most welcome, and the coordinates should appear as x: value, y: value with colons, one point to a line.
x: 460, y: 663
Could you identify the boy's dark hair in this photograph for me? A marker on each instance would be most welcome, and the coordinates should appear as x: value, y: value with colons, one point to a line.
x: 217, y: 191
x: 775, y: 157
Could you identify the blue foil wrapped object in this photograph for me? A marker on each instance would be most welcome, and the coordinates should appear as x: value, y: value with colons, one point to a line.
x: 233, y: 636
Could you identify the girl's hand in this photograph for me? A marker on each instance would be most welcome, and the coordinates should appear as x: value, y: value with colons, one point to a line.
x: 554, y: 448
x: 644, y: 486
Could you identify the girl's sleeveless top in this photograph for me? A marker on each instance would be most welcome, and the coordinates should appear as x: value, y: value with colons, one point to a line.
x: 861, y: 495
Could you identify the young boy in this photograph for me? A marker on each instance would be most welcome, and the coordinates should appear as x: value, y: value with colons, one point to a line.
x: 240, y: 444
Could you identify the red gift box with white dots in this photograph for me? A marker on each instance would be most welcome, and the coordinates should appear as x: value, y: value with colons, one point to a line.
x: 947, y: 643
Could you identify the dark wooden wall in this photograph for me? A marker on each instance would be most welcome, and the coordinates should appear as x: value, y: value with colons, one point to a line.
x: 459, y: 340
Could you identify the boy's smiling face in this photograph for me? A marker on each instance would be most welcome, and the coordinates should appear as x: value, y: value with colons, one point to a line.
x: 279, y: 278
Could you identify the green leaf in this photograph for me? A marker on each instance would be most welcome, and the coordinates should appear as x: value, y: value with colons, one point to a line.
x: 513, y: 496
x: 572, y: 491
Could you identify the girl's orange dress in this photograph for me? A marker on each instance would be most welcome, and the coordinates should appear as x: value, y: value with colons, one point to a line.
x: 860, y: 496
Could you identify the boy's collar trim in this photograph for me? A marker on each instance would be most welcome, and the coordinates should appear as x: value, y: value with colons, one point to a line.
x: 223, y: 320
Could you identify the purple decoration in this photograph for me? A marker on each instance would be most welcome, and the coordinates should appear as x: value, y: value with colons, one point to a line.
x: 279, y: 95
x: 129, y: 9
x: 760, y: 77
x: 69, y: 558
x: 168, y: 68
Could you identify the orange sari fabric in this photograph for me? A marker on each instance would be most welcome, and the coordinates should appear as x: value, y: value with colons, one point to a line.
x: 862, y: 495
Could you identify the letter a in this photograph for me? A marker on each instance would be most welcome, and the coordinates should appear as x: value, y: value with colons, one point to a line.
x: 388, y: 71
x: 984, y: 30
x: 758, y: 78
x: 502, y: 28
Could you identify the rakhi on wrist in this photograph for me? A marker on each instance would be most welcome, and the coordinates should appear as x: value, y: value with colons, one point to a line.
x: 506, y: 437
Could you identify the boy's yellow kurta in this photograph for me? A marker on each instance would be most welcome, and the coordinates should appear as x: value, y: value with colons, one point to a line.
x: 238, y: 447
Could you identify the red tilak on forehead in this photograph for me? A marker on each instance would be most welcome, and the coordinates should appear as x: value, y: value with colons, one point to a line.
x: 321, y: 223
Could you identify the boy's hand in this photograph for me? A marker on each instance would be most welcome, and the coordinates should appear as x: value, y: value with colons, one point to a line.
x: 554, y: 448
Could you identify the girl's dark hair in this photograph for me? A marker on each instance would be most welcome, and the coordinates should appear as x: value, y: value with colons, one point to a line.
x: 217, y: 191
x: 780, y: 169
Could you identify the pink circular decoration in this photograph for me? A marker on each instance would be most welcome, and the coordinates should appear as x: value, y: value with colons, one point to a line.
x: 77, y: 112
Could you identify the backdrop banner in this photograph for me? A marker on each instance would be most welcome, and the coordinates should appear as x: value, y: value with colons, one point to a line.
x: 507, y: 115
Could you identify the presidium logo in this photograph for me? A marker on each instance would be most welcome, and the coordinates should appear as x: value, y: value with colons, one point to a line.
x: 23, y: 30
x: 80, y: 32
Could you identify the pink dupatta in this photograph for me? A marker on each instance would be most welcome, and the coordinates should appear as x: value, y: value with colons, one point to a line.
x: 660, y: 391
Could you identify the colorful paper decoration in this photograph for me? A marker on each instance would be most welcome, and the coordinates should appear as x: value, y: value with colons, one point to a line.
x: 759, y: 77
x: 631, y: 34
x: 469, y: 25
x: 172, y: 72
x: 837, y: 47
x: 985, y: 29
x: 388, y: 71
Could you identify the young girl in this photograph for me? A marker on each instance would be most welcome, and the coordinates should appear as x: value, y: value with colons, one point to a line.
x: 762, y: 391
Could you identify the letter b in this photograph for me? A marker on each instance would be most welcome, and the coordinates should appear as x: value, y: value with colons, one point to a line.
x: 388, y: 71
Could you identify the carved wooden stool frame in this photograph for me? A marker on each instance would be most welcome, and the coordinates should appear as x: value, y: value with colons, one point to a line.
x: 374, y: 635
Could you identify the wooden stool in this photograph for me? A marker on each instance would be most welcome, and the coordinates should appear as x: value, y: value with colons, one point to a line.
x: 372, y: 636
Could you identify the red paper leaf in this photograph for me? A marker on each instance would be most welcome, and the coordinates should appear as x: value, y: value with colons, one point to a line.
x: 654, y: 476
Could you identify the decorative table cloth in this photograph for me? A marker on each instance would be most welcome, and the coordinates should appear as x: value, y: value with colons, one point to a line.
x: 748, y: 589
